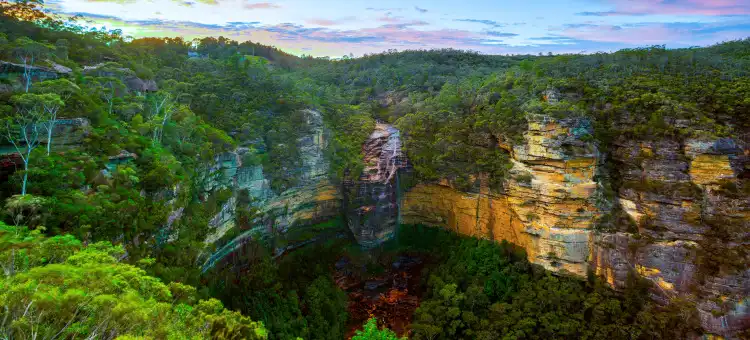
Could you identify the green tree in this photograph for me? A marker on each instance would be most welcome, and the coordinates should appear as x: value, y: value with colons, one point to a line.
x: 30, y: 52
x: 22, y: 128
x: 70, y: 293
x: 62, y: 88
x: 370, y: 331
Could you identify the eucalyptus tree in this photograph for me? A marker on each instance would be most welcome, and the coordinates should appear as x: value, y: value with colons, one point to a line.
x: 22, y: 129
x: 28, y: 53
x: 64, y: 89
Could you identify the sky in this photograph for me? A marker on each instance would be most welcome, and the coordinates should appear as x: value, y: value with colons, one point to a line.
x: 336, y: 28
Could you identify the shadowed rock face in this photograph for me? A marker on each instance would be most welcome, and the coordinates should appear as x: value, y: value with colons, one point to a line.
x: 126, y: 75
x: 39, y: 73
x: 687, y: 202
x: 313, y: 199
x: 373, y: 210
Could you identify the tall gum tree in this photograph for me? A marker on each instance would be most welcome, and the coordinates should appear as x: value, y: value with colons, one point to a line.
x: 22, y: 128
x: 64, y: 89
x: 29, y: 52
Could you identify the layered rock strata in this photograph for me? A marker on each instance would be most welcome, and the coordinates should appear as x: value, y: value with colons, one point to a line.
x: 680, y: 216
x: 547, y: 206
x: 313, y: 199
x: 689, y: 207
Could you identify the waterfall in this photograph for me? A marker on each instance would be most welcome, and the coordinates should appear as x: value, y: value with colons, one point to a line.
x: 374, y: 215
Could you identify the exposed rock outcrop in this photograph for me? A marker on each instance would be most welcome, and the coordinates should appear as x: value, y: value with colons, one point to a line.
x: 689, y: 205
x: 548, y: 205
x: 480, y: 214
x: 38, y: 73
x: 126, y: 75
x: 67, y: 132
x: 314, y: 198
x: 552, y: 191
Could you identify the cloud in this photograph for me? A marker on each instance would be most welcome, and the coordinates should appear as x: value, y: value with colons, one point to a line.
x: 388, y: 17
x: 606, y: 14
x: 323, y: 37
x: 322, y: 22
x: 243, y: 25
x: 676, y: 34
x: 481, y: 21
x: 551, y: 38
x: 384, y: 9
x: 261, y: 5
x: 330, y: 22
x: 501, y: 34
x: 675, y: 7
x: 420, y: 10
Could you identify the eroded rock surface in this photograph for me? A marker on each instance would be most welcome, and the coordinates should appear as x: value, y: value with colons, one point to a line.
x: 552, y: 191
x: 690, y: 211
x: 680, y: 216
x: 313, y: 199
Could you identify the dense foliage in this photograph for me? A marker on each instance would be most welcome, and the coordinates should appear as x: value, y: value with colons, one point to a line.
x: 57, y: 287
x: 483, y: 290
x: 292, y: 299
x: 144, y: 122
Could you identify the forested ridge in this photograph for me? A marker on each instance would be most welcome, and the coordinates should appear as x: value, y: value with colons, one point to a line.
x: 92, y: 246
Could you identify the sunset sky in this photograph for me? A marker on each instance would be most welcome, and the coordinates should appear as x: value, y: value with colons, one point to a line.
x: 335, y: 28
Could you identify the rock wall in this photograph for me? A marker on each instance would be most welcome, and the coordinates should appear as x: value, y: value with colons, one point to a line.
x: 481, y: 214
x: 313, y: 199
x: 552, y: 191
x: 126, y: 75
x: 547, y: 206
x: 690, y: 213
x: 680, y: 216
x: 14, y: 73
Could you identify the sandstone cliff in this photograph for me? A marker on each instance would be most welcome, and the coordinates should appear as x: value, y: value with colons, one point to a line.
x: 547, y: 205
x: 680, y: 216
x: 313, y: 199
x: 690, y: 213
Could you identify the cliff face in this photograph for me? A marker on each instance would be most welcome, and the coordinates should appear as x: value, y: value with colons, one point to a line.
x: 372, y: 212
x: 479, y: 214
x: 689, y: 206
x: 312, y: 200
x: 548, y: 205
x: 126, y: 75
x: 552, y: 191
x: 679, y: 215
x: 679, y: 218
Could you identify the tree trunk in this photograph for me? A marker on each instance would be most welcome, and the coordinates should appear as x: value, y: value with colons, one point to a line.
x: 27, y: 72
x: 50, y: 126
x: 25, y: 175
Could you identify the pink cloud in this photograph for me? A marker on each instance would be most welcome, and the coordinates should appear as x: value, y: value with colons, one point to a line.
x: 261, y: 5
x: 322, y: 22
x: 390, y: 19
x: 677, y: 7
x: 652, y: 33
x: 329, y: 22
